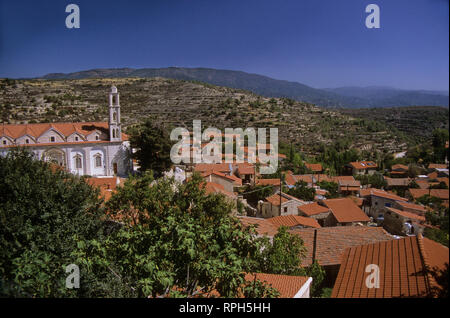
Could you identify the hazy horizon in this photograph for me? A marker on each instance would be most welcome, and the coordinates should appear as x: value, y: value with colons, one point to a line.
x: 322, y: 44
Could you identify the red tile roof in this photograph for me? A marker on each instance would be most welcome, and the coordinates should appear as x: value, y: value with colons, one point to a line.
x: 288, y: 286
x: 397, y: 182
x: 402, y: 265
x: 231, y: 178
x: 65, y: 129
x: 332, y: 241
x: 345, y: 210
x: 363, y: 165
x: 246, y: 170
x: 412, y: 206
x: 106, y: 185
x: 400, y: 167
x: 316, y: 167
x: 438, y: 193
x: 313, y: 209
x: 293, y: 220
x: 263, y: 227
x: 380, y: 193
x: 275, y: 199
x: 264, y: 182
x: 407, y: 215
x: 212, y: 187
x: 220, y: 167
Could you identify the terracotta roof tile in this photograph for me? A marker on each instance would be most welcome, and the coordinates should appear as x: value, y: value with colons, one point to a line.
x: 264, y: 182
x: 439, y: 193
x: 380, y: 193
x: 263, y: 227
x: 363, y: 164
x: 345, y: 210
x: 288, y: 286
x: 316, y: 167
x: 313, y: 209
x: 402, y: 265
x: 293, y: 220
x: 332, y: 241
x: 408, y: 215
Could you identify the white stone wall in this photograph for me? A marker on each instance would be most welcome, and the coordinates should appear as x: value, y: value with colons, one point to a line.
x: 111, y: 153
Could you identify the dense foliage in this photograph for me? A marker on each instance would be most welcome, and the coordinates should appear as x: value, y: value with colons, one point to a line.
x: 44, y: 213
x: 152, y: 144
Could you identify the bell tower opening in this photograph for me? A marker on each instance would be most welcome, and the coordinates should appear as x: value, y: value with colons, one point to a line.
x: 115, y: 130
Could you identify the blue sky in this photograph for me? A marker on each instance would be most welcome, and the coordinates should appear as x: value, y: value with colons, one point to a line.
x: 321, y: 43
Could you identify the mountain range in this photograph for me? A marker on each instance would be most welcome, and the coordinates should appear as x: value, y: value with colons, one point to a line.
x: 343, y: 97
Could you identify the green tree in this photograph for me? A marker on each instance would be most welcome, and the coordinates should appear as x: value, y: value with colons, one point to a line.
x: 331, y: 187
x: 152, y: 144
x: 302, y: 191
x: 44, y: 214
x: 175, y: 242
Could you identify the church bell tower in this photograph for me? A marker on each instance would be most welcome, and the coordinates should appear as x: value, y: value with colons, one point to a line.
x: 115, y: 130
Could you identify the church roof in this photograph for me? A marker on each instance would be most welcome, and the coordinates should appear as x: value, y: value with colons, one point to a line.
x: 15, y: 131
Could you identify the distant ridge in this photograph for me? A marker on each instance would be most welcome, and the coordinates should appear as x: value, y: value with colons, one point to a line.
x: 345, y: 97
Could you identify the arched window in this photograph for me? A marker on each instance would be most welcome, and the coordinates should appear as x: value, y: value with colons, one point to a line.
x: 114, y: 116
x: 98, y: 160
x: 117, y: 133
x: 114, y: 133
x: 78, y: 164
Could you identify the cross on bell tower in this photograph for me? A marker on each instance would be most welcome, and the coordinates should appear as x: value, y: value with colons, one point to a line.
x: 115, y: 130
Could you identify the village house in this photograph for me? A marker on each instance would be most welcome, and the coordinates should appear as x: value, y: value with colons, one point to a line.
x: 361, y: 167
x: 229, y: 182
x: 399, y: 171
x: 397, y: 183
x: 442, y: 194
x: 294, y: 222
x: 274, y: 183
x: 326, y: 245
x: 405, y: 269
x: 314, y: 167
x: 375, y: 200
x: 90, y: 148
x: 410, y: 207
x: 344, y: 212
x: 246, y: 172
x: 288, y: 286
x: 271, y: 206
x: 398, y: 222
x: 107, y: 186
x: 349, y: 187
x: 314, y: 211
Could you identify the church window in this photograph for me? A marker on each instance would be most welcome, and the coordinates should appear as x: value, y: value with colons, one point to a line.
x: 52, y: 139
x: 78, y: 162
x: 96, y: 137
x: 114, y: 116
x: 98, y: 161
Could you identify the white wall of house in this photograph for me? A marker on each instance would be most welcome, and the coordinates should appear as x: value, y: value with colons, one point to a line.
x: 111, y: 152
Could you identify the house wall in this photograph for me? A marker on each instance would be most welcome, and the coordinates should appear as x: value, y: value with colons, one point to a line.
x: 227, y: 185
x: 111, y: 153
x: 395, y: 224
x: 378, y: 204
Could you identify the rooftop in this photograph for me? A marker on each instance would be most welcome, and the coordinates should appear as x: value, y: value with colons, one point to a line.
x: 332, y: 241
x: 402, y: 265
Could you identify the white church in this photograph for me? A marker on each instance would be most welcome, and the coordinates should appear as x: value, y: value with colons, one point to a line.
x: 91, y: 148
